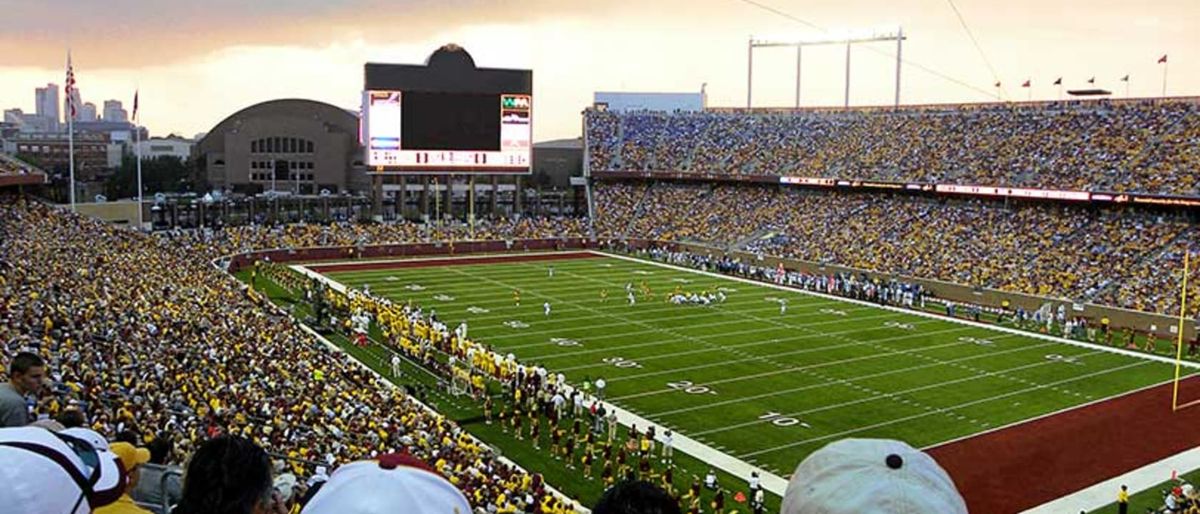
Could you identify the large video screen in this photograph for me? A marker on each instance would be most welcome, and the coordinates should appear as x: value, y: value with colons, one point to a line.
x: 432, y: 132
x: 450, y: 121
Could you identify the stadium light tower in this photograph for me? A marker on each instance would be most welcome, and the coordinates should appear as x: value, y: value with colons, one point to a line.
x: 845, y: 38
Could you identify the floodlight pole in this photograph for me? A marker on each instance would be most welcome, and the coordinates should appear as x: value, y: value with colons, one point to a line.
x: 897, y: 36
x: 847, y: 95
x: 750, y: 72
x: 899, y: 42
x: 798, y: 54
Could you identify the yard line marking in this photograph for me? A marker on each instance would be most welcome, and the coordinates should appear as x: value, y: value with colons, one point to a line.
x: 665, y: 331
x: 874, y: 343
x: 993, y: 328
x: 943, y: 409
x: 590, y: 327
x: 881, y: 395
x: 810, y: 386
x: 723, y: 334
x: 752, y: 357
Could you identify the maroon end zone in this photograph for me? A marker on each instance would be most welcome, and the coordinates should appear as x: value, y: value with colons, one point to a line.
x: 456, y: 261
x: 1026, y: 465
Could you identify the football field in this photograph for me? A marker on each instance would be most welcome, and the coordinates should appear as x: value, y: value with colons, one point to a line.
x: 762, y: 383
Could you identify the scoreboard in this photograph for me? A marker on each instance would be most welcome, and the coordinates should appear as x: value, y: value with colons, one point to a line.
x: 426, y: 130
x: 447, y: 117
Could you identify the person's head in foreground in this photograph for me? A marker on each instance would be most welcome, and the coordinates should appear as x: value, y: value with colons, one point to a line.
x: 227, y: 475
x: 390, y: 484
x: 636, y: 497
x: 43, y: 472
x: 866, y: 476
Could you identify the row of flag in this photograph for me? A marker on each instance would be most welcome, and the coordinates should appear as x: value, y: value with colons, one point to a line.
x: 1058, y: 81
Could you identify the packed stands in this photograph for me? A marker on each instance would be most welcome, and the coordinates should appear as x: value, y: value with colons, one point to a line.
x: 236, y: 239
x: 14, y: 171
x: 147, y: 337
x: 1144, y: 146
x: 1034, y: 248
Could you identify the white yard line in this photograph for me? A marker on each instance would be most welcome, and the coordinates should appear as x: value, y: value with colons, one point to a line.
x: 492, y: 338
x: 778, y: 393
x: 940, y: 410
x: 875, y: 395
x: 996, y: 328
x: 751, y: 357
x: 706, y: 350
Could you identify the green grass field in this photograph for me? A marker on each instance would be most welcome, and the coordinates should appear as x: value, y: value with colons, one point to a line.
x: 763, y: 386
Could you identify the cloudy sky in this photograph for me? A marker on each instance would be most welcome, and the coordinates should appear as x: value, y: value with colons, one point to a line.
x: 196, y: 62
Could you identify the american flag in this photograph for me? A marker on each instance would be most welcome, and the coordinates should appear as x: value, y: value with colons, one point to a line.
x: 70, y: 86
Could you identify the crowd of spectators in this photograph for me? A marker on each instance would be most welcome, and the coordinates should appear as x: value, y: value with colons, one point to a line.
x: 1148, y: 146
x: 11, y: 166
x: 144, y: 339
x: 1034, y: 248
x: 1153, y: 284
x: 223, y: 241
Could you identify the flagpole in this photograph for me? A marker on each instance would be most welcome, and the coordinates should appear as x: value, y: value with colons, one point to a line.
x: 71, y: 133
x: 137, y: 150
x: 1164, y: 85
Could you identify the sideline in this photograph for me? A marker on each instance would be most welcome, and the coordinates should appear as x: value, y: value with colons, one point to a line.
x: 707, y: 454
x: 1138, y: 480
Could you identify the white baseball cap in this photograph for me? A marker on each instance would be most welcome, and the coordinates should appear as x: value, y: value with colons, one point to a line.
x: 392, y: 483
x: 49, y: 473
x: 865, y: 476
x: 91, y: 436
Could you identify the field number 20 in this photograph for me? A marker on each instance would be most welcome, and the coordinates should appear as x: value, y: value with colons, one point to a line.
x: 780, y: 420
x: 620, y: 362
x: 689, y: 388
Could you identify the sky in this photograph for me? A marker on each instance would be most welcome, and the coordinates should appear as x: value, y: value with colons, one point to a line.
x: 196, y: 62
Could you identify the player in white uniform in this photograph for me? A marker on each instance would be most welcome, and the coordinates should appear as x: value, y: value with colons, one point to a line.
x: 551, y: 271
x: 395, y: 365
x: 546, y: 306
x: 632, y: 300
x: 782, y: 307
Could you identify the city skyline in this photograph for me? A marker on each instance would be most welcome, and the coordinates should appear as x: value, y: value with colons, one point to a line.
x: 195, y: 67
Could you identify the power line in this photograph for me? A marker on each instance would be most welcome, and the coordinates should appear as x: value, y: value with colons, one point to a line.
x: 962, y: 21
x: 890, y: 55
x: 785, y: 15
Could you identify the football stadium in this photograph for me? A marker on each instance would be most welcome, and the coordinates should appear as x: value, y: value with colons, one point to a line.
x: 927, y: 289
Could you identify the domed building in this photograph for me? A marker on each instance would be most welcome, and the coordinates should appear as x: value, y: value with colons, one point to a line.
x: 292, y: 145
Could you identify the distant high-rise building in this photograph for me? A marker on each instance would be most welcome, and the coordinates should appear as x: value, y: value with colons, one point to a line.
x: 114, y: 112
x: 13, y: 116
x: 87, y: 112
x: 46, y: 104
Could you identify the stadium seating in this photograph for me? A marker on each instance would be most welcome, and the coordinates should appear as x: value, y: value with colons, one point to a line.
x: 10, y: 166
x: 148, y: 338
x: 1108, y: 256
x: 1147, y: 147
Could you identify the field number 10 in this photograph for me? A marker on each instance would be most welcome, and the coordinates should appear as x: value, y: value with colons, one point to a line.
x: 780, y: 420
